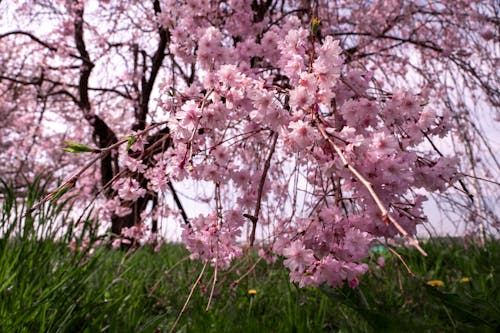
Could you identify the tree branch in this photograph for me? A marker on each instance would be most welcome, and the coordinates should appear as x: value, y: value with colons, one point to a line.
x: 255, y: 217
x: 147, y: 84
x: 385, y: 214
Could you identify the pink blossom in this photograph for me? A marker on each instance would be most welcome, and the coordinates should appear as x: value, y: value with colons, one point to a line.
x: 134, y: 232
x: 301, y: 98
x: 356, y: 244
x: 295, y: 40
x: 301, y: 133
x: 298, y: 257
x: 122, y: 211
x: 139, y: 143
x: 360, y: 113
x: 221, y: 155
x: 381, y: 261
x: 427, y: 118
x: 158, y: 177
x: 383, y: 144
x: 134, y: 165
x: 267, y: 256
x: 328, y: 63
x: 128, y: 189
x: 117, y: 242
x: 189, y: 115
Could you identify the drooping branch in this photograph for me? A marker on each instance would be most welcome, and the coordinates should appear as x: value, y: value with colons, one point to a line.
x: 255, y: 217
x: 178, y: 203
x: 386, y: 216
x: 148, y: 83
x: 31, y: 36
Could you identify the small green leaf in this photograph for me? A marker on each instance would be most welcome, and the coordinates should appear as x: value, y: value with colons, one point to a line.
x: 130, y: 141
x: 64, y: 189
x: 315, y: 22
x: 77, y: 148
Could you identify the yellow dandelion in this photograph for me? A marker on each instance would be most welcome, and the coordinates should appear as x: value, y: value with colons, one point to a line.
x: 435, y: 283
x: 465, y: 280
x: 252, y: 292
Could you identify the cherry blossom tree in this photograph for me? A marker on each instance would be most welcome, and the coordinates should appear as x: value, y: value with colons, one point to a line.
x: 322, y: 125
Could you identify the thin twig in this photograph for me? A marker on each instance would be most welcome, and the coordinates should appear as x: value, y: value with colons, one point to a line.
x: 214, y: 281
x: 255, y: 217
x: 189, y: 298
x: 189, y: 146
x: 218, y: 209
x: 236, y: 282
x: 480, y: 178
x: 385, y: 214
x: 402, y: 260
x: 155, y: 286
x: 68, y: 184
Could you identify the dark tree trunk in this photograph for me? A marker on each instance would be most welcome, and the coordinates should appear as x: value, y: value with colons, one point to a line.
x: 104, y: 136
x: 141, y: 112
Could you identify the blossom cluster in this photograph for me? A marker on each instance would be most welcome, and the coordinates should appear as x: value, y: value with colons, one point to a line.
x: 249, y: 129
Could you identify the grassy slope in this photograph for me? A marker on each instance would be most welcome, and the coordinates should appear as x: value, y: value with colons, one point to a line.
x: 44, y: 287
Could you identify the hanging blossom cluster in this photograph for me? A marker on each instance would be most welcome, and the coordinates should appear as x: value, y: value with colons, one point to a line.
x: 314, y: 159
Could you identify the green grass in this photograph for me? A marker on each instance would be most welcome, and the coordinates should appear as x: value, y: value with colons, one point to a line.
x: 45, y: 287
